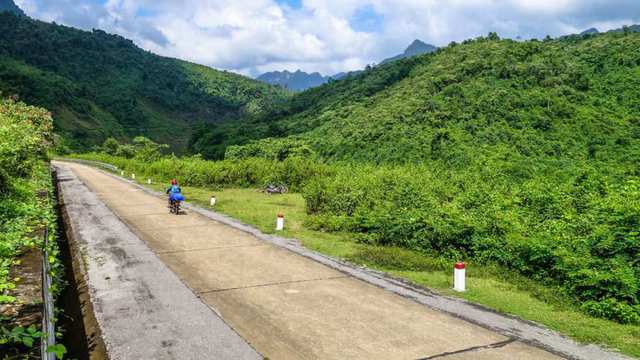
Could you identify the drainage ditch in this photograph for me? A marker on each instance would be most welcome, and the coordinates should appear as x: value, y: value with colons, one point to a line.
x: 80, y: 332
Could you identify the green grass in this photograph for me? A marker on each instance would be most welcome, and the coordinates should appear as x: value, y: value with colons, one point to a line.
x: 509, y: 294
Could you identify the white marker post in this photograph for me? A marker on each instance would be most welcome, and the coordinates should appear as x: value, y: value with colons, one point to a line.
x: 213, y: 201
x: 133, y: 176
x: 280, y: 222
x: 122, y: 173
x: 149, y: 181
x: 458, y: 277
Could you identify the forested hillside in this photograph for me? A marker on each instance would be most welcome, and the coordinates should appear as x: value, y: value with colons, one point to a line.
x: 99, y: 85
x: 301, y: 113
x: 534, y: 99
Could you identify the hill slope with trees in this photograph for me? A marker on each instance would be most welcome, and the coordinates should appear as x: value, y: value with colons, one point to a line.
x: 574, y: 98
x: 99, y: 85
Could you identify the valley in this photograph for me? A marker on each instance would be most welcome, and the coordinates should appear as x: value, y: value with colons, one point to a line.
x: 518, y: 158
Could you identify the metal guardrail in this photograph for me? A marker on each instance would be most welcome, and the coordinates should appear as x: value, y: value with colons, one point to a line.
x: 48, y: 319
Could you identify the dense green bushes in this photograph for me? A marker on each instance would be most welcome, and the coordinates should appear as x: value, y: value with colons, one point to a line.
x: 582, y: 232
x: 194, y: 171
x: 25, y: 136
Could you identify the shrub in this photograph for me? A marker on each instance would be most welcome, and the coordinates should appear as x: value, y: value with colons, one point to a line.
x: 614, y: 310
x: 25, y: 137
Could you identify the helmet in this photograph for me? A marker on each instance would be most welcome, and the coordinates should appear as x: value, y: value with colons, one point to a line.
x: 174, y: 182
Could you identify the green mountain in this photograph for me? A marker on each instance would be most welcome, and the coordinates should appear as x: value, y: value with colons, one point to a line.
x: 10, y: 6
x: 570, y: 98
x: 99, y: 85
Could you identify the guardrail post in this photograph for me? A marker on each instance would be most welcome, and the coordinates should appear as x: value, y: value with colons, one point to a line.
x: 459, y: 277
x: 48, y: 328
x: 280, y: 222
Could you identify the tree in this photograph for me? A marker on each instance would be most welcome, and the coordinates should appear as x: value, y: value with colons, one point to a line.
x: 147, y: 149
x: 111, y: 146
x: 126, y: 151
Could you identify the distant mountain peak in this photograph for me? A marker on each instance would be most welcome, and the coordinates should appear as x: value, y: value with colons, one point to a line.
x: 590, y: 31
x: 296, y: 81
x: 300, y: 80
x: 10, y: 6
x: 417, y: 47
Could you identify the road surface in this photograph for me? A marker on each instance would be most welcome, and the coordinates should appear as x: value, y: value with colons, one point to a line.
x: 282, y: 304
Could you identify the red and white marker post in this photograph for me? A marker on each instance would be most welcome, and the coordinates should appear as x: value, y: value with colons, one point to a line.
x: 459, y: 277
x: 280, y: 222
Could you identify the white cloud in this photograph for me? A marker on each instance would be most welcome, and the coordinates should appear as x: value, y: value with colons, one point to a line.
x: 260, y: 35
x: 244, y: 36
x: 545, y: 6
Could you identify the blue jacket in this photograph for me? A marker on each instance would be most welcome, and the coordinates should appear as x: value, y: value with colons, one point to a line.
x: 174, y: 189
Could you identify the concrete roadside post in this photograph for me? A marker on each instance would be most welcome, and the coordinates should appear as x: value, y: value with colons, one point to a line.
x: 459, y: 277
x: 149, y: 181
x: 212, y: 202
x: 280, y: 222
x: 133, y: 176
x: 121, y: 172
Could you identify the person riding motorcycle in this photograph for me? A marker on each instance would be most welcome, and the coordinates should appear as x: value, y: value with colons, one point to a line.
x: 174, y: 192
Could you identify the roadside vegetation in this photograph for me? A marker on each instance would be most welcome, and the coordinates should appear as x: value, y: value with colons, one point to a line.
x: 26, y: 209
x: 405, y: 221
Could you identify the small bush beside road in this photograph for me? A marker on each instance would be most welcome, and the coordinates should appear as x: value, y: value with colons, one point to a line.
x: 26, y: 209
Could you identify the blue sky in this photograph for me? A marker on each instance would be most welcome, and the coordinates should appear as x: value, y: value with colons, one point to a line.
x: 328, y: 36
x: 296, y: 4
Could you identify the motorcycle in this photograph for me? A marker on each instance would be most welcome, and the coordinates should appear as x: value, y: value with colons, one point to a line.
x: 276, y: 189
x: 175, y: 201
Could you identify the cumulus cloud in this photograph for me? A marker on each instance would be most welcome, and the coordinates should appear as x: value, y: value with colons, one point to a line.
x: 322, y: 35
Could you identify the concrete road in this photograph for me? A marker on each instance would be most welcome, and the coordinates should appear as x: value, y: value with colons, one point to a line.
x: 287, y: 306
x: 133, y: 306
